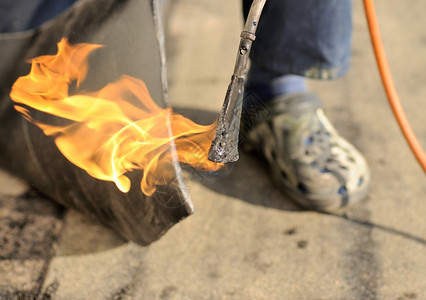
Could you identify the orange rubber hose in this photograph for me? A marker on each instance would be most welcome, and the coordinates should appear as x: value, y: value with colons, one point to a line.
x: 389, y: 86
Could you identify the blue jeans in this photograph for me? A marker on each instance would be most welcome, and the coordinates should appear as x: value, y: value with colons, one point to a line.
x: 21, y: 15
x: 311, y: 38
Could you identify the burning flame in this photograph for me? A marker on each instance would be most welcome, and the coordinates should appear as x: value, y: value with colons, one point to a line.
x: 112, y: 131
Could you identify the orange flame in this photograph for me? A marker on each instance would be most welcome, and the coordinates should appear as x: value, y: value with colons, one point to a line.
x: 115, y: 130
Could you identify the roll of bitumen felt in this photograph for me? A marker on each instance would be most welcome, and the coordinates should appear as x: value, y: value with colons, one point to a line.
x: 131, y: 31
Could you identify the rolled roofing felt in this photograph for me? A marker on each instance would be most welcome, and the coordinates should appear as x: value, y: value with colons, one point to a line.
x: 132, y: 34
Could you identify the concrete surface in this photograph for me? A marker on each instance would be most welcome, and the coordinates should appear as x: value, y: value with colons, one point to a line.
x: 246, y: 241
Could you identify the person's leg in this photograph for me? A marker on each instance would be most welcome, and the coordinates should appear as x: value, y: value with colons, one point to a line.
x: 21, y: 15
x: 296, y: 39
x: 309, y: 38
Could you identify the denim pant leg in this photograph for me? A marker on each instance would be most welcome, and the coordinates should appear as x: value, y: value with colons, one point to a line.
x: 311, y: 38
x: 21, y: 15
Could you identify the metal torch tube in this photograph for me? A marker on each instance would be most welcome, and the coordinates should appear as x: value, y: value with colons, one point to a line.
x: 224, y: 147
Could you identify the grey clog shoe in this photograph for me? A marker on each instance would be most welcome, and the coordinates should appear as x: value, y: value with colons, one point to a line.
x: 309, y: 161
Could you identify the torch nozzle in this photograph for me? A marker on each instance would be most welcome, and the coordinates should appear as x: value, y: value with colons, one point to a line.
x: 224, y: 147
